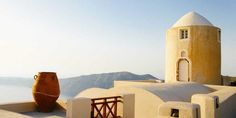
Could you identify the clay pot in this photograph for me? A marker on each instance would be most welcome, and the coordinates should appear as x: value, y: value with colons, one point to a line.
x: 46, y: 90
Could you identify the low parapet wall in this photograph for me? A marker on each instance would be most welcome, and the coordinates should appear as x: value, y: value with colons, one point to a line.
x: 28, y: 109
x: 19, y: 106
x: 178, y: 110
x: 146, y: 103
x: 80, y: 107
x: 218, y: 104
x: 178, y: 91
x: 214, y: 101
x: 227, y: 103
x: 208, y: 104
x: 28, y: 106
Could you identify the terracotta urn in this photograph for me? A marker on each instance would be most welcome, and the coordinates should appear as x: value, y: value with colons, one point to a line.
x: 46, y: 90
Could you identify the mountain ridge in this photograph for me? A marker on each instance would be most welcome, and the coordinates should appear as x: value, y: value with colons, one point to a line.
x: 73, y: 85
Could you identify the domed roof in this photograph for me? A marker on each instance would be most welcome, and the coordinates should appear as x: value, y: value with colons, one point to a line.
x: 192, y: 18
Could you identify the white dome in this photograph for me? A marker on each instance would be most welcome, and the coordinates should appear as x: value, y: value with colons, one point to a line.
x: 192, y: 18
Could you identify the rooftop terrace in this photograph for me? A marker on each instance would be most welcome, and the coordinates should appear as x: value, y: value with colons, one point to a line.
x: 28, y: 109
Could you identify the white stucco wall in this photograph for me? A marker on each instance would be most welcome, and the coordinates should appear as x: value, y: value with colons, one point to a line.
x: 227, y: 103
x: 146, y: 103
x: 178, y: 91
x: 149, y: 96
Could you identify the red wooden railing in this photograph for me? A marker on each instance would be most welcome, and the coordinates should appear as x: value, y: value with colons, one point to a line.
x: 105, y: 107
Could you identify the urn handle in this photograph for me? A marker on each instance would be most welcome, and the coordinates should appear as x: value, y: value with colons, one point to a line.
x: 35, y: 77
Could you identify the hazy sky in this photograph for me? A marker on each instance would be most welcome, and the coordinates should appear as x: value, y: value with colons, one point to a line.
x: 75, y: 37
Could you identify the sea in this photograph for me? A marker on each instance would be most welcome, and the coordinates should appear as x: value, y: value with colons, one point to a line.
x: 13, y: 94
x: 9, y: 94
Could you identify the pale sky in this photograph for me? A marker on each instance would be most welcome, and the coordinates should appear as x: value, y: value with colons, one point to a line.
x: 76, y: 37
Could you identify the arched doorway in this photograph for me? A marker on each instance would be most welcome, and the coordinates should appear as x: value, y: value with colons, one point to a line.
x: 183, y: 70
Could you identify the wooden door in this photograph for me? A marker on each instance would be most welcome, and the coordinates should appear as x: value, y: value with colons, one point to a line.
x: 183, y: 70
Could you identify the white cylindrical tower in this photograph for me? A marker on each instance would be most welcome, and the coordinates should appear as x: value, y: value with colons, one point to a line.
x: 193, y: 51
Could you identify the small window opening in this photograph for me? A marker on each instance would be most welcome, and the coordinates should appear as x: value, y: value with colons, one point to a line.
x: 174, y: 113
x: 219, y: 33
x: 183, y: 34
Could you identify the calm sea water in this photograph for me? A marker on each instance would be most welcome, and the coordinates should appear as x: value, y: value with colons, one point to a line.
x: 9, y: 94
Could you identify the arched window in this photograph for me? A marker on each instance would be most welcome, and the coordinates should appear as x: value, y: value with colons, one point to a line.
x: 183, y: 54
